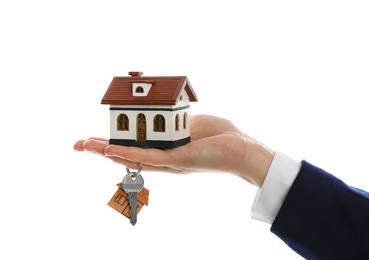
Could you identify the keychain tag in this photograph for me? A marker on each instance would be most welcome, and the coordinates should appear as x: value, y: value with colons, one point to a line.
x: 120, y: 201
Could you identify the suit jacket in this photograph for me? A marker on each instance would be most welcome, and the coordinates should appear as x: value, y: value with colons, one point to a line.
x: 323, y: 218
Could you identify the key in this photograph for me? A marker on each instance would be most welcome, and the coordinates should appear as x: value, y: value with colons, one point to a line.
x: 132, y: 184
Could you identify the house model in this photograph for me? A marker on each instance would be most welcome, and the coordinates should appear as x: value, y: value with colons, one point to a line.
x: 149, y: 112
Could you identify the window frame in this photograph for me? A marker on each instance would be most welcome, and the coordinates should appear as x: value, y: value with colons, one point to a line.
x: 139, y: 89
x: 159, y: 126
x: 177, y: 122
x: 185, y: 120
x: 122, y: 122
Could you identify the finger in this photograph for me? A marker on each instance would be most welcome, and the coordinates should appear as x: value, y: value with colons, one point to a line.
x: 95, y: 146
x: 98, y: 147
x: 78, y: 146
x: 150, y: 168
x: 99, y: 139
x: 149, y: 156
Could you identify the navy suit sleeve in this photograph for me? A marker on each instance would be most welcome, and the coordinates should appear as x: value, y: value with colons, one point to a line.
x: 324, y: 218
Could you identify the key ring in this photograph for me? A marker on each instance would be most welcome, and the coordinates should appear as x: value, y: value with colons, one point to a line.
x: 134, y: 174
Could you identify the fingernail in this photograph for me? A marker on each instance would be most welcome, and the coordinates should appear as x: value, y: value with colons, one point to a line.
x: 86, y: 148
x: 109, y: 154
x: 89, y: 150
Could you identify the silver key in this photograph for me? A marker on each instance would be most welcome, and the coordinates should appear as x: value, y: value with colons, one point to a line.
x: 132, y: 184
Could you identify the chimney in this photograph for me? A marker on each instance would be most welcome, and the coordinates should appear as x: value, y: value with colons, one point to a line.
x: 135, y: 73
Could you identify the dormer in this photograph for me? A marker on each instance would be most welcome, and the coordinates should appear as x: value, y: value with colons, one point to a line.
x: 140, y: 88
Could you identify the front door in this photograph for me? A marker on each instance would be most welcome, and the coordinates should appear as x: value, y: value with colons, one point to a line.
x: 141, y: 128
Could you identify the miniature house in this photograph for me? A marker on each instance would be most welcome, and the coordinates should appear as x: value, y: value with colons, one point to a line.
x: 149, y: 112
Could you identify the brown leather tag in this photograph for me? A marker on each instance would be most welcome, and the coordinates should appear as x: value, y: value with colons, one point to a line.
x: 120, y: 203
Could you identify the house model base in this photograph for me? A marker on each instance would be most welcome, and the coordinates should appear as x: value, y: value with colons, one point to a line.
x: 149, y: 112
x: 150, y: 144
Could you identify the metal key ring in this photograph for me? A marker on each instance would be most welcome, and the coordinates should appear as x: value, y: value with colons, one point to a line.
x: 134, y: 174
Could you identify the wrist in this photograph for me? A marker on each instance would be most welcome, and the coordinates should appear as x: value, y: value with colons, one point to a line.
x: 256, y: 162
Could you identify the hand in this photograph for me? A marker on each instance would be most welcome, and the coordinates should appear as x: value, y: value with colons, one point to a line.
x: 216, y: 145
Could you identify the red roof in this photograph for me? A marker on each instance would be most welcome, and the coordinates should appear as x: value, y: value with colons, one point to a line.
x: 164, y: 90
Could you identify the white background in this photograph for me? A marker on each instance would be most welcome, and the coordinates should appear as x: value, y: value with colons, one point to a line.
x: 292, y: 74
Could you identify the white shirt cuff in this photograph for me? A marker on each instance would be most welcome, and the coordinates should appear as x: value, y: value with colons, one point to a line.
x: 280, y: 177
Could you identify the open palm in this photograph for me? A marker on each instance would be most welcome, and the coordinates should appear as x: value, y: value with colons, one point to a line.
x: 216, y: 145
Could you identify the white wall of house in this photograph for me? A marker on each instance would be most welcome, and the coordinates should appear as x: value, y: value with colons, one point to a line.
x: 184, y: 101
x: 170, y: 133
x: 181, y: 133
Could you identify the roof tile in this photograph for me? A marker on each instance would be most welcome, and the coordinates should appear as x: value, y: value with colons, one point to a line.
x: 164, y: 91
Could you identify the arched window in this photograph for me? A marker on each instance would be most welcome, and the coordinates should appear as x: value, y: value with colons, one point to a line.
x: 139, y: 90
x: 177, y: 122
x: 184, y: 120
x: 159, y: 123
x: 122, y: 122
